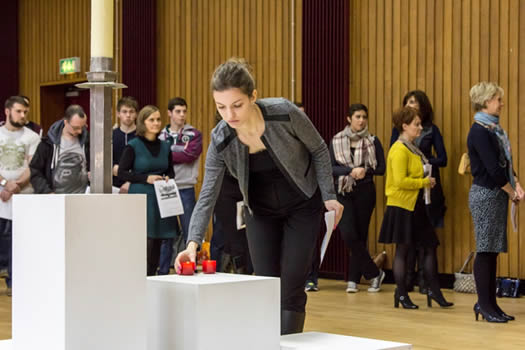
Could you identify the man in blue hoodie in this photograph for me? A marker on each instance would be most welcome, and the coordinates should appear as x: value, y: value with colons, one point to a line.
x: 61, y: 161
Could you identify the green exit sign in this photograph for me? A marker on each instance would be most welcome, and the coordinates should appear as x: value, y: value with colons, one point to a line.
x: 69, y: 65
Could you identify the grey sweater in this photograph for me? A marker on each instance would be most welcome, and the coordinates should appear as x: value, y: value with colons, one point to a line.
x: 292, y: 141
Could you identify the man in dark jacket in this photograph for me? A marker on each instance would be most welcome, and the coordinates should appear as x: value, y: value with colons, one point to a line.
x: 61, y: 161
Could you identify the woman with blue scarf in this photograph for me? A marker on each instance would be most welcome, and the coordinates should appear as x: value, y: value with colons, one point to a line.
x: 494, y: 183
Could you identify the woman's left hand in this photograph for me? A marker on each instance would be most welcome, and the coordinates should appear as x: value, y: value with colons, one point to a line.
x: 332, y: 204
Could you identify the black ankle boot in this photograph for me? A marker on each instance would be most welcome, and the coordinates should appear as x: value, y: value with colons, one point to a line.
x: 404, y: 300
x: 226, y: 263
x: 238, y: 265
x: 438, y: 298
x: 292, y: 322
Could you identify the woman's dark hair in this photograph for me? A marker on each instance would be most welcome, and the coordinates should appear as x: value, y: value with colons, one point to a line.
x: 425, y: 107
x: 404, y: 115
x: 234, y: 73
x: 144, y: 114
x: 357, y: 107
x: 74, y: 110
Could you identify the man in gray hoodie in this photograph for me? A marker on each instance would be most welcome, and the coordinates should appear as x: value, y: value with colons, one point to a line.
x: 61, y: 161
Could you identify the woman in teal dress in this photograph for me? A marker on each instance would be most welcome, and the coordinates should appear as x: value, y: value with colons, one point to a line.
x: 147, y: 159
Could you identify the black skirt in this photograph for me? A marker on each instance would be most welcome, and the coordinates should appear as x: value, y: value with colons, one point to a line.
x: 402, y: 226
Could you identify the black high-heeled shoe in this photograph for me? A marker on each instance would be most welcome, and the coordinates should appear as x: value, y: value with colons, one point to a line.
x: 438, y: 298
x: 504, y: 315
x: 488, y: 317
x: 404, y: 300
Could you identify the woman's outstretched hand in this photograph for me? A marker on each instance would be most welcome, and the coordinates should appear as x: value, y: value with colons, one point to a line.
x: 189, y: 254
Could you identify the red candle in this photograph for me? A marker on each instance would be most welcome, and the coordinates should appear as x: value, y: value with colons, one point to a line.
x: 187, y: 268
x: 209, y: 266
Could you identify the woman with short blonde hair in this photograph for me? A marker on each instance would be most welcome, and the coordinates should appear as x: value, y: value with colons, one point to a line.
x: 495, y: 182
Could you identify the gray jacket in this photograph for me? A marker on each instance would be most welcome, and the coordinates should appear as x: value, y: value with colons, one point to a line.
x: 292, y: 141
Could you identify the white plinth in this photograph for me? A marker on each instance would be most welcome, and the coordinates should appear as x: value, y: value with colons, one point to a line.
x: 326, y: 341
x: 79, y: 272
x: 6, y: 344
x: 218, y: 311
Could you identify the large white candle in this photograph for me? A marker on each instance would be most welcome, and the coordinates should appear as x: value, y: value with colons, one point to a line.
x: 102, y: 28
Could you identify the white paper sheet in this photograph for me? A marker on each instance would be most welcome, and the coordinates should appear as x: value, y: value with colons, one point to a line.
x: 514, y: 217
x: 168, y: 198
x: 427, y: 169
x: 240, y: 217
x: 329, y: 219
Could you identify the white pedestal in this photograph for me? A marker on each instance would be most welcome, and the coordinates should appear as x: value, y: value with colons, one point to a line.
x: 79, y: 272
x: 217, y: 311
x: 326, y: 341
x: 6, y: 344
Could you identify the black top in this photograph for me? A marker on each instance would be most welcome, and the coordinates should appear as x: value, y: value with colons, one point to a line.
x: 269, y: 190
x: 341, y: 170
x: 120, y: 140
x: 125, y: 168
x: 487, y: 164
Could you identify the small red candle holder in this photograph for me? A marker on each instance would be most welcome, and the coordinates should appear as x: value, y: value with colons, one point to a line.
x: 209, y: 266
x: 187, y: 268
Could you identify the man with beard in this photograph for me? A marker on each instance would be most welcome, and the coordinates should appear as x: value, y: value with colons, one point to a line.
x: 60, y: 163
x: 127, y: 108
x: 17, y: 146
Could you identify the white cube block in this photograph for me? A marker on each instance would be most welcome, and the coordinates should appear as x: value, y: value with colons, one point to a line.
x: 79, y: 272
x: 327, y: 341
x: 215, y: 311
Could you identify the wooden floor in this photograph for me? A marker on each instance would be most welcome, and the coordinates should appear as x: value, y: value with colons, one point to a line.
x: 372, y: 315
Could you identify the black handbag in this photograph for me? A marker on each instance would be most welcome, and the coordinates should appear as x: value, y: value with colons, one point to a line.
x: 508, y: 287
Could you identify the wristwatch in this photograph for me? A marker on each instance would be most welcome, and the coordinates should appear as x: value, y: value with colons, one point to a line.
x: 3, y: 182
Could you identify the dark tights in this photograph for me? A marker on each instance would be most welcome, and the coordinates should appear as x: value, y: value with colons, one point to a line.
x: 485, y: 267
x: 429, y: 267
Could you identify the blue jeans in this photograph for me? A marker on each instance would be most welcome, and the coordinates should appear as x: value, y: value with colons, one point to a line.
x: 6, y: 247
x: 168, y: 249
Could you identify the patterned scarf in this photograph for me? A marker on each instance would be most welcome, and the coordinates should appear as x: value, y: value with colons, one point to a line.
x: 492, y: 124
x: 364, y: 154
x: 413, y: 148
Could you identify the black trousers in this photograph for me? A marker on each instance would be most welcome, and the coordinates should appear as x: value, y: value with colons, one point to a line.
x: 226, y: 238
x: 282, y: 246
x: 354, y: 224
x: 153, y: 255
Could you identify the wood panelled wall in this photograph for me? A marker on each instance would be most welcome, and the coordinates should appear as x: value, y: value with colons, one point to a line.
x: 48, y: 31
x: 194, y: 36
x: 444, y: 48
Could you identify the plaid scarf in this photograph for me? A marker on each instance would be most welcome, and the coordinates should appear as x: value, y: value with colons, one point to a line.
x: 364, y: 154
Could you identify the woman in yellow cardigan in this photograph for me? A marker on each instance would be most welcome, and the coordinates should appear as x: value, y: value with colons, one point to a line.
x: 406, y: 221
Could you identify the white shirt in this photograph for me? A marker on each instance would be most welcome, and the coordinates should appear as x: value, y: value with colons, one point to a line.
x: 15, y: 149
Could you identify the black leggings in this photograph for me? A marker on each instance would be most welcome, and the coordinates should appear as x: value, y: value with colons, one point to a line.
x: 282, y: 246
x: 354, y: 224
x: 485, y: 267
x: 429, y: 267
